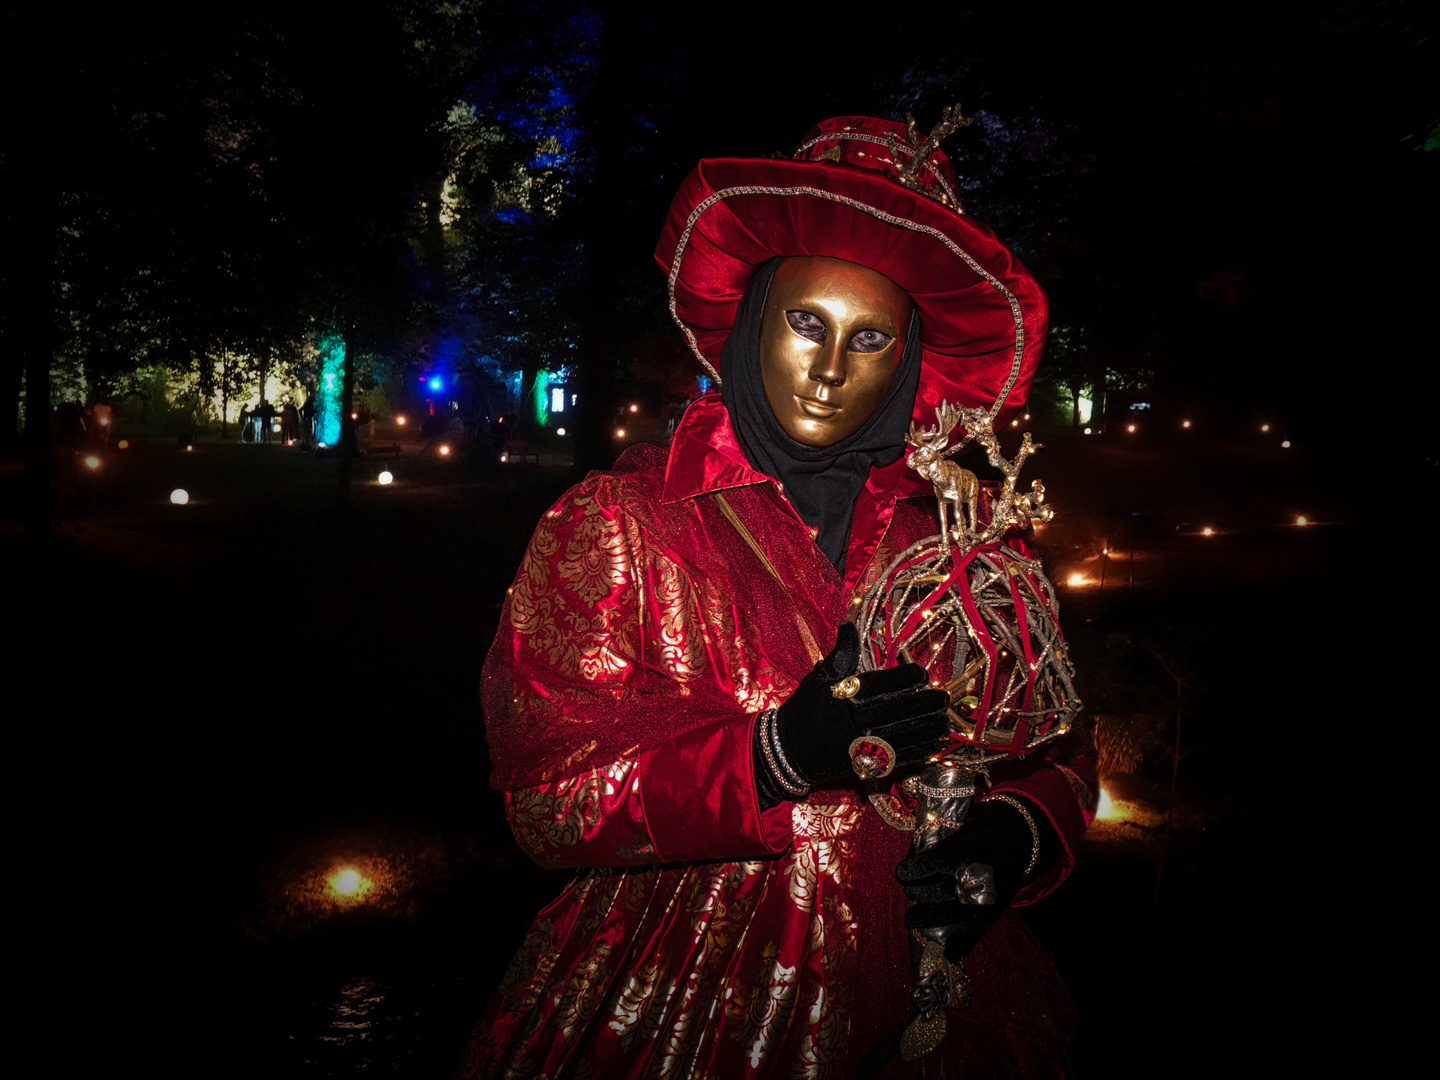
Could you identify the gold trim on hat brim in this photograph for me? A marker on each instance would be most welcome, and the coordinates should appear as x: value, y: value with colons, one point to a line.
x: 716, y: 197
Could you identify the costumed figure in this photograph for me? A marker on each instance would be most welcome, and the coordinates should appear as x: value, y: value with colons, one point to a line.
x: 679, y: 703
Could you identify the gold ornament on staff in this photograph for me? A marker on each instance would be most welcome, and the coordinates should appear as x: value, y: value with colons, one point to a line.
x: 981, y: 617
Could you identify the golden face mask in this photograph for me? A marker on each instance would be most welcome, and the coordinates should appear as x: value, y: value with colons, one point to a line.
x: 830, y: 341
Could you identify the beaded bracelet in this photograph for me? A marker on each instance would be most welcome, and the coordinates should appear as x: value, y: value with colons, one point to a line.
x: 780, y: 768
x: 1034, y: 831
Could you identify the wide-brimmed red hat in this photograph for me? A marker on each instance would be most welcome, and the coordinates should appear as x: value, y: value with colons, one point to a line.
x: 983, y: 317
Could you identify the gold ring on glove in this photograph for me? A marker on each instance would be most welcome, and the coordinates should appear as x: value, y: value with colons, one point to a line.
x: 847, y: 687
x: 872, y: 757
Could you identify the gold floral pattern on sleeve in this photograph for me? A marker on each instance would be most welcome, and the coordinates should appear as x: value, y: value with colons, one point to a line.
x: 681, y: 633
x: 573, y: 603
x: 552, y: 817
x: 596, y: 559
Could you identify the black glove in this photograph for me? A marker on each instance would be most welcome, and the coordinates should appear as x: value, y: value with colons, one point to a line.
x: 814, y: 729
x: 995, y: 836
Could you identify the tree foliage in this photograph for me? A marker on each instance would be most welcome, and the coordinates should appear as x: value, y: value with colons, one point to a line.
x: 394, y: 176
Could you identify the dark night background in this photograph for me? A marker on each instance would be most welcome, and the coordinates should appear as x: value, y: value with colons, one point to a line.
x: 1232, y: 207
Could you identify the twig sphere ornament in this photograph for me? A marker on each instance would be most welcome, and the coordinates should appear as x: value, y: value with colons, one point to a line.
x: 977, y: 612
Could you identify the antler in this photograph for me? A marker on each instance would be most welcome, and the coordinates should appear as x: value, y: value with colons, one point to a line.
x: 946, y: 418
x: 919, y: 149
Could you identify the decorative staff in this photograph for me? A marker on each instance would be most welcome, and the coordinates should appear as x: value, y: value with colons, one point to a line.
x: 980, y: 616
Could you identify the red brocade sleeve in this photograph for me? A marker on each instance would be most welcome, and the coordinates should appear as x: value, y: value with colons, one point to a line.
x: 619, y: 721
x: 697, y: 802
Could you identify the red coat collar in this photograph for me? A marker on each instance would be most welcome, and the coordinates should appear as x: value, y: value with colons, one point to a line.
x: 705, y: 456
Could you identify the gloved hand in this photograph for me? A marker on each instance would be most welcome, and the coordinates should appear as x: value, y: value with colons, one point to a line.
x: 995, y: 839
x: 813, y: 730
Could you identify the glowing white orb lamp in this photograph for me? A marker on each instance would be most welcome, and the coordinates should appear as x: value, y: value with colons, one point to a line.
x: 347, y: 882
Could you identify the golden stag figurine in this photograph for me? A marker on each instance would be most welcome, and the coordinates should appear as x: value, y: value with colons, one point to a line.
x: 955, y: 487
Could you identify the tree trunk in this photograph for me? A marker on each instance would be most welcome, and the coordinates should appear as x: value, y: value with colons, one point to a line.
x: 347, y: 423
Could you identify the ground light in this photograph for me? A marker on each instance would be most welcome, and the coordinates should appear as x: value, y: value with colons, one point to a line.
x: 1285, y: 445
x: 1207, y: 531
x: 1185, y: 423
x: 1264, y: 427
x: 1302, y: 520
x: 385, y: 477
x: 349, y: 883
x: 179, y: 496
x: 92, y: 462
